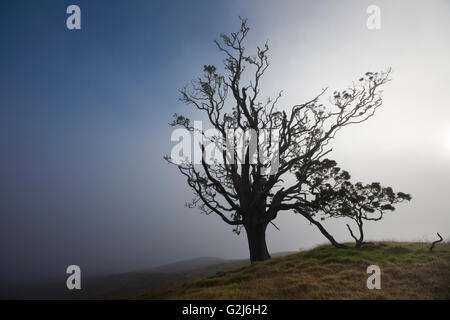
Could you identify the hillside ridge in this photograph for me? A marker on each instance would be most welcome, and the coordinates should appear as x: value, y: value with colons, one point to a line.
x: 408, y: 271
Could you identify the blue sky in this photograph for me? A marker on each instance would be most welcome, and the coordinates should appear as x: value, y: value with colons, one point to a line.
x: 84, y: 129
x: 84, y: 113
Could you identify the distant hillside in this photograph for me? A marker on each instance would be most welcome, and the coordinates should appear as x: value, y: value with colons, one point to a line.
x: 408, y: 271
x: 113, y: 285
x: 191, y: 264
x: 107, y: 286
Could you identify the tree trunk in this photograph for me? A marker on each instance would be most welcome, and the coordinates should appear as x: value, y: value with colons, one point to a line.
x: 256, y: 236
x: 360, y: 241
x: 324, y: 231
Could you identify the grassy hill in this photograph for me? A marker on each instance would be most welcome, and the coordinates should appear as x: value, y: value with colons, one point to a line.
x: 408, y: 271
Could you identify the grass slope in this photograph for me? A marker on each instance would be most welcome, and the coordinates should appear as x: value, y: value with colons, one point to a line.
x: 408, y: 271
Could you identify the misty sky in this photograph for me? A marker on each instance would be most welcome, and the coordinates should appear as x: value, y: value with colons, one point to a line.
x: 84, y: 123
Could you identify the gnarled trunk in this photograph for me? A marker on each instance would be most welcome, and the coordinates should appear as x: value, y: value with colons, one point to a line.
x: 358, y: 241
x: 324, y: 231
x: 256, y: 236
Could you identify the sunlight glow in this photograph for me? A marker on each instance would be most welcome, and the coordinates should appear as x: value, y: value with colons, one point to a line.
x: 447, y: 140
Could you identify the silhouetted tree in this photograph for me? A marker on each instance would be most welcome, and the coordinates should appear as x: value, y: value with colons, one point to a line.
x: 358, y: 202
x: 243, y: 194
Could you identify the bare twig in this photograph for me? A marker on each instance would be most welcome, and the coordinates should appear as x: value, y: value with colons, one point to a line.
x: 436, y: 242
x: 275, y: 225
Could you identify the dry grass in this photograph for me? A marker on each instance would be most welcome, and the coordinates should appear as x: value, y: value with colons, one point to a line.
x: 408, y: 271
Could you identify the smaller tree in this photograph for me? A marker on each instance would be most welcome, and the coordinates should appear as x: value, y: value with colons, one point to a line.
x: 360, y: 203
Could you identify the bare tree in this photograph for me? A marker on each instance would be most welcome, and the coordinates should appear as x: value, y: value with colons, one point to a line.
x: 241, y: 193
